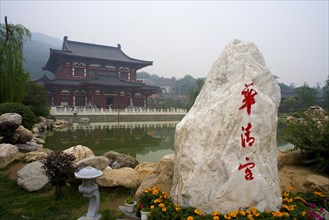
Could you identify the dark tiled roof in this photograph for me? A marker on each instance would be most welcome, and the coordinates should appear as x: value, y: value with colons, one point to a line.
x: 64, y: 82
x: 112, y: 81
x: 99, y: 52
x: 91, y: 51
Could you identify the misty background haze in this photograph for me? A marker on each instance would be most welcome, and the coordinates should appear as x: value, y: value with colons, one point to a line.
x: 186, y: 37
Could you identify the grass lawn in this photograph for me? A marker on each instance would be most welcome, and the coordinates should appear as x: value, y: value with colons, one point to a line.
x: 16, y: 203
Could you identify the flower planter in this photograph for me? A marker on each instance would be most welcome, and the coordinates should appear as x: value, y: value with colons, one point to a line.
x: 130, y: 207
x: 144, y: 215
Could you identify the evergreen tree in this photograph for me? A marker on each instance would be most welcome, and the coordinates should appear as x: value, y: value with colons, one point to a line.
x: 307, y: 95
x: 12, y: 74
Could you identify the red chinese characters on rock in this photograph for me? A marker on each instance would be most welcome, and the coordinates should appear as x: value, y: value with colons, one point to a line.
x: 245, y: 138
x: 249, y: 98
x: 247, y: 167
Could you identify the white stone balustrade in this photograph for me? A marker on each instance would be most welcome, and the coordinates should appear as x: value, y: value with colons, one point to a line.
x: 127, y: 111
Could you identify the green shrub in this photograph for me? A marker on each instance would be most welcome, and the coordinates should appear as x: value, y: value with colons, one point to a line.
x: 59, y: 168
x: 36, y: 99
x: 28, y: 117
x: 310, y: 134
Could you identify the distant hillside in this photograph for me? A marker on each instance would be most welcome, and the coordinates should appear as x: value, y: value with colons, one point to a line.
x: 36, y: 54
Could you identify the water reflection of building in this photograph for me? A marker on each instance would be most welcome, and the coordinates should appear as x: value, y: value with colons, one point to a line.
x: 130, y: 138
x: 135, y: 124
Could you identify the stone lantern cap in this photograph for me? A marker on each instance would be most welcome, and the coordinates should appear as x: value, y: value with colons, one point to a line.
x: 88, y: 173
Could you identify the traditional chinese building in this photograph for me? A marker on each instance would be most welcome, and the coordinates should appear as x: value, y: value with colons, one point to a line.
x: 95, y: 75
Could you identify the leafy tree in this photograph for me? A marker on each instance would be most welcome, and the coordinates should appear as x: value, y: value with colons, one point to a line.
x: 186, y: 84
x: 11, y: 62
x: 289, y: 104
x: 326, y: 94
x: 307, y: 95
x: 195, y: 92
x: 36, y: 99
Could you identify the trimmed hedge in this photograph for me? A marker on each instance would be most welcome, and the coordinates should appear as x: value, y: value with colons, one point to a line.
x: 28, y: 117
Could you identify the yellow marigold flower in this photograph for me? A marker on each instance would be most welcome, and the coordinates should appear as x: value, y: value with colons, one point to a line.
x: 285, y: 194
x: 164, y: 209
x: 215, y: 217
x: 249, y: 216
x: 227, y: 216
x: 242, y: 212
x: 190, y: 218
x: 161, y: 205
x: 277, y: 214
x: 157, y: 201
x: 290, y: 188
x: 152, y: 206
x: 155, y: 192
x: 177, y: 209
x: 166, y: 196
x: 288, y: 200
x: 320, y: 194
x: 146, y: 191
x: 232, y: 214
x: 248, y: 211
x: 285, y: 213
x: 216, y: 213
x: 303, y: 213
x: 198, y: 212
x: 299, y: 198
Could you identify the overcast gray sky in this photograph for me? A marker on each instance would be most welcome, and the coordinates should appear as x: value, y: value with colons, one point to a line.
x: 186, y: 37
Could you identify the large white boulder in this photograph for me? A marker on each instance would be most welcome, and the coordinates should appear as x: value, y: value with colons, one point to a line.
x: 237, y: 105
x: 32, y: 177
x: 80, y: 152
x: 8, y: 153
x: 126, y: 176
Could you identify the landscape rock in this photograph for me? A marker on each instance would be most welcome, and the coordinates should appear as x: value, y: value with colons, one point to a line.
x: 98, y: 162
x: 8, y: 154
x: 31, y: 177
x: 293, y: 158
x: 145, y: 168
x: 317, y: 183
x: 24, y: 135
x: 237, y: 105
x: 162, y: 176
x: 9, y: 122
x: 80, y: 152
x: 303, y: 179
x: 125, y: 176
x: 118, y: 160
x: 37, y: 155
x: 29, y: 146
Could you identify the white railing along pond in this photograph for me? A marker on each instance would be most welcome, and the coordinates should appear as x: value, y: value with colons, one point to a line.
x: 110, y: 111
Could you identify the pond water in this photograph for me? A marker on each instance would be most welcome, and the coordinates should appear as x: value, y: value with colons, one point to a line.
x: 145, y: 141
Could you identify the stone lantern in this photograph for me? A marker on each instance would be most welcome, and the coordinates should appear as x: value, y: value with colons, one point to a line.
x: 89, y: 189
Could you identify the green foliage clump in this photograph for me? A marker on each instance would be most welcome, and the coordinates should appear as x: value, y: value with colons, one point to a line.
x: 59, y: 168
x: 28, y: 117
x: 310, y: 134
x: 11, y: 62
x: 36, y: 99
